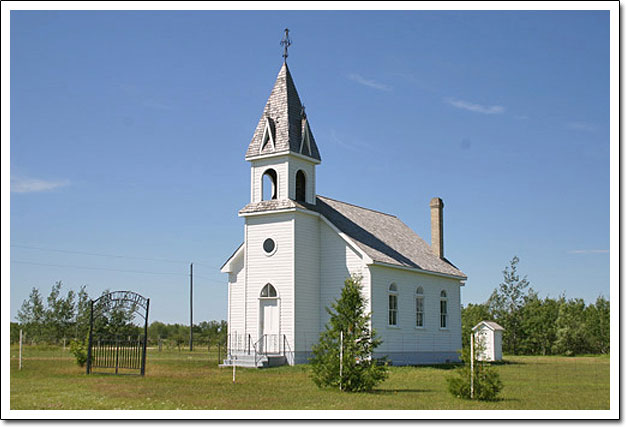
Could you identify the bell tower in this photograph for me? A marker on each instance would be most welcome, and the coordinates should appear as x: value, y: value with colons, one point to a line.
x: 283, y: 153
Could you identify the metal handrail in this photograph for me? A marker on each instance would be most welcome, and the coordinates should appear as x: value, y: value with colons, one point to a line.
x: 238, y: 343
x: 242, y: 343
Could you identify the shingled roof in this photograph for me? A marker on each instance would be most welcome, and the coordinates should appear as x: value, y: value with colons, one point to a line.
x: 287, y: 121
x: 383, y: 237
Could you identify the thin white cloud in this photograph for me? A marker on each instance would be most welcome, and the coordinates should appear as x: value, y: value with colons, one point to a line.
x: 33, y: 185
x: 369, y: 83
x: 589, y: 251
x: 580, y: 126
x: 476, y: 108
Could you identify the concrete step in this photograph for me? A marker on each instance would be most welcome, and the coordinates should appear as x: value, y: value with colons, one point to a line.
x: 250, y: 361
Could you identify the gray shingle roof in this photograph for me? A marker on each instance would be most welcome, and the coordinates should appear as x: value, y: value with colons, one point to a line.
x: 383, y: 237
x: 287, y: 120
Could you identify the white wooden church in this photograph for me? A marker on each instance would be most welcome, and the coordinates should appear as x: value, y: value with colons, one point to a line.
x: 299, y: 247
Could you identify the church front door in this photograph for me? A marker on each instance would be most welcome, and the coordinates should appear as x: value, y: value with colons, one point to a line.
x: 269, y: 319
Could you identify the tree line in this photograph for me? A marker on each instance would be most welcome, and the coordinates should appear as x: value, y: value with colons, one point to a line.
x: 536, y: 326
x: 63, y: 317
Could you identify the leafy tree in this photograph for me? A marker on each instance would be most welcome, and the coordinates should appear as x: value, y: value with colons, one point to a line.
x: 83, y: 312
x: 32, y: 315
x: 59, y: 314
x: 505, y: 304
x: 360, y: 371
x: 539, y: 324
x: 470, y: 317
x: 15, y: 332
x: 598, y: 323
x: 572, y: 336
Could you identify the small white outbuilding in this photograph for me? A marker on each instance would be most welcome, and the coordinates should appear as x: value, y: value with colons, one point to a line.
x: 489, y: 335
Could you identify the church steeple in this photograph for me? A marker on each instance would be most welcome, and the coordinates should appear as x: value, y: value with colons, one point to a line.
x: 283, y: 127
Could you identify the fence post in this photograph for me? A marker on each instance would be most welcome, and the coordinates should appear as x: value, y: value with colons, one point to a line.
x: 20, y: 349
x: 219, y: 353
x: 145, y: 340
x: 90, y: 337
x: 117, y: 353
x: 340, y: 358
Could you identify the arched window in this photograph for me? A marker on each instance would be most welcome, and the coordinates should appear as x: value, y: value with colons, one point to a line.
x: 269, y: 185
x: 419, y: 307
x: 393, y: 305
x: 300, y: 186
x: 268, y: 291
x: 443, y: 309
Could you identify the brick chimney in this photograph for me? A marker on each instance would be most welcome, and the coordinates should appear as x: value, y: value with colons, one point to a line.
x: 436, y: 226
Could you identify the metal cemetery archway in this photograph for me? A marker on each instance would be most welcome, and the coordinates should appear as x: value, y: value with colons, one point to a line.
x: 116, y: 345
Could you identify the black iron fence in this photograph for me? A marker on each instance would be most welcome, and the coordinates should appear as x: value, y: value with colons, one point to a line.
x: 118, y: 355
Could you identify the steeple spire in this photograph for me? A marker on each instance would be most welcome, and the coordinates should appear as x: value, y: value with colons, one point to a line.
x: 284, y: 125
x: 285, y: 42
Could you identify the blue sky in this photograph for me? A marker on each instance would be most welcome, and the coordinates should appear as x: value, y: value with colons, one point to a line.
x: 129, y: 129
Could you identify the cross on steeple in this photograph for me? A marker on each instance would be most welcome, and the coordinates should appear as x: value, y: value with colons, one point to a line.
x: 286, y: 42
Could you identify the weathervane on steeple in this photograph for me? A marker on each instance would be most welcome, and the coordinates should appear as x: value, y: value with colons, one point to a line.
x: 286, y: 42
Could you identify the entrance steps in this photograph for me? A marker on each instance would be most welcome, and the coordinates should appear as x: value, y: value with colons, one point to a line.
x: 252, y: 361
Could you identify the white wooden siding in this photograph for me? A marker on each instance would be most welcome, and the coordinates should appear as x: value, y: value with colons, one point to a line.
x: 497, y: 354
x: 338, y: 261
x: 307, y: 280
x: 406, y: 337
x: 236, y: 294
x: 276, y: 269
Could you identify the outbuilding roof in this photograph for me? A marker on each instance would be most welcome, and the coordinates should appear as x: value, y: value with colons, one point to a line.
x: 383, y: 237
x: 491, y: 325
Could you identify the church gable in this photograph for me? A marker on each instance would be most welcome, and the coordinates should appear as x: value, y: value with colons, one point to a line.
x: 384, y: 238
x: 268, y: 144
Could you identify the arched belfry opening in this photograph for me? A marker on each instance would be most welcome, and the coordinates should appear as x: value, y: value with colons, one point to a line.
x: 269, y: 185
x: 300, y: 186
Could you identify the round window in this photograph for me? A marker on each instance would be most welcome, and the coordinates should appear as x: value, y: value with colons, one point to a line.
x: 269, y: 246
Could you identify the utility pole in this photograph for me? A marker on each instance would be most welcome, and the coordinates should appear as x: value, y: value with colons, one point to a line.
x: 472, y: 365
x: 191, y: 307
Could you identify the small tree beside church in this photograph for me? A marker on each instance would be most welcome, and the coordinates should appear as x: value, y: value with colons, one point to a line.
x: 485, y: 384
x: 359, y: 371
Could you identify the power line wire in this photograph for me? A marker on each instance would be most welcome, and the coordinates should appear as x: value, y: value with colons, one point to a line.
x: 96, y: 268
x: 115, y: 270
x: 106, y: 255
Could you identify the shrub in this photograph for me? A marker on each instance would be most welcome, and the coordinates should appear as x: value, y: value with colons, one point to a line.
x: 487, y: 383
x: 79, y: 350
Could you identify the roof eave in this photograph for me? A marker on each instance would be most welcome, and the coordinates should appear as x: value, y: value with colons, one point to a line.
x: 419, y: 270
x: 283, y: 153
x: 226, y: 267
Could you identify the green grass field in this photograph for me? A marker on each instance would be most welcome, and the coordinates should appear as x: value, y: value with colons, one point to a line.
x: 50, y: 379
